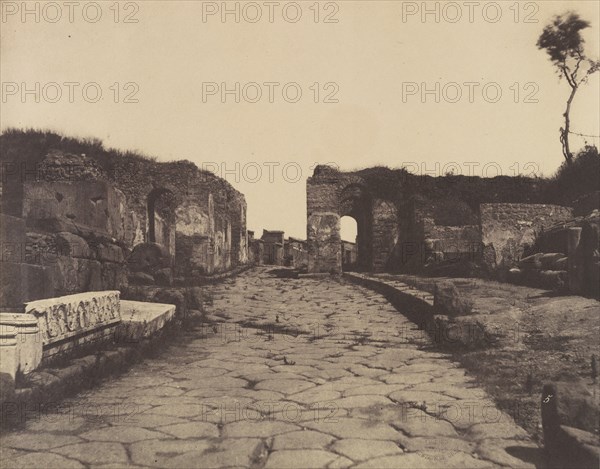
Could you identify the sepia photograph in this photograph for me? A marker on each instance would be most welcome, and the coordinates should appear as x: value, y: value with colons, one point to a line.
x: 302, y: 234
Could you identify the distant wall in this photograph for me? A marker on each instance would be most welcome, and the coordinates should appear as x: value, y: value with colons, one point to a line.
x: 507, y: 229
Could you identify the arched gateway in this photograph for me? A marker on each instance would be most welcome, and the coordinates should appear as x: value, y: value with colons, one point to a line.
x: 332, y: 195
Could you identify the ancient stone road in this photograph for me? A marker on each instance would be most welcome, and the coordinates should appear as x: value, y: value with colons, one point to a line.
x: 289, y: 373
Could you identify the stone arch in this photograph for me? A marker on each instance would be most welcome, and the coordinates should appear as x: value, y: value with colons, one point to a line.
x: 355, y: 201
x: 330, y: 196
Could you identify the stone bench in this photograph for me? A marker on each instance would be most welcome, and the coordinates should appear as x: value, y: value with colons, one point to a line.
x: 75, y: 321
x: 141, y: 320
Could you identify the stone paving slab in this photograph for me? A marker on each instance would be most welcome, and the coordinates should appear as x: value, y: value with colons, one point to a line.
x: 309, y: 373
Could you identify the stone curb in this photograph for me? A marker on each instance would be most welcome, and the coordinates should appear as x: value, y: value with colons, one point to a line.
x: 418, y: 306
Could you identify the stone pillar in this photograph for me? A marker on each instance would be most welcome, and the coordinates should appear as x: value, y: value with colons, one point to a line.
x: 324, y: 243
x: 575, y: 270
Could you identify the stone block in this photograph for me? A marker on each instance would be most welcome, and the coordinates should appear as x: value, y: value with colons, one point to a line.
x: 548, y: 260
x: 553, y: 279
x: 114, y: 276
x: 71, y: 245
x: 560, y: 264
x: 8, y: 351
x: 141, y: 278
x: 12, y: 229
x: 571, y: 404
x: 448, y: 300
x: 570, y: 418
x: 141, y: 320
x: 172, y: 296
x: 110, y: 253
x: 164, y: 277
x: 515, y: 276
x: 65, y: 318
x: 71, y: 275
x: 29, y: 339
x: 24, y: 282
x: 532, y: 262
x: 148, y: 258
x: 94, y: 204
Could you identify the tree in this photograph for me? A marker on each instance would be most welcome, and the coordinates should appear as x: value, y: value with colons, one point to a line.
x: 562, y: 40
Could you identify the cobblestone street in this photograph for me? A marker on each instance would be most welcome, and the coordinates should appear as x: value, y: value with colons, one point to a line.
x: 307, y: 373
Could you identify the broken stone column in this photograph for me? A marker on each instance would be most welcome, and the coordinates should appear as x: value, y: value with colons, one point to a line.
x: 575, y: 270
x: 8, y: 351
x: 29, y: 339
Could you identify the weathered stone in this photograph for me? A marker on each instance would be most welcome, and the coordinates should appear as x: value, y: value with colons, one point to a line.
x: 570, y: 404
x: 448, y: 300
x: 164, y: 277
x: 301, y: 459
x: 94, y: 452
x: 29, y: 339
x: 361, y: 450
x: 148, y: 258
x: 305, y: 439
x: 532, y: 262
x: 172, y: 297
x: 9, y: 355
x: 141, y: 278
x: 141, y: 320
x: 63, y: 319
x: 109, y: 252
x: 71, y: 245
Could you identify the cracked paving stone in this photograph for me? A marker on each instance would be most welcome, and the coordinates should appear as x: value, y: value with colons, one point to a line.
x: 157, y: 453
x: 38, y: 441
x: 425, y: 425
x: 511, y: 453
x: 95, y: 453
x: 260, y: 429
x: 361, y: 450
x: 121, y: 434
x: 303, y: 439
x: 307, y: 458
x: 242, y: 452
x: 39, y: 460
x: 414, y: 444
x: 285, y: 386
x: 191, y: 430
x: 354, y: 428
x: 353, y: 402
x: 502, y: 430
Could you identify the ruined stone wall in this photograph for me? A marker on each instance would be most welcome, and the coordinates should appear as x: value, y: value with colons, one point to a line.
x: 507, y: 229
x: 404, y: 220
x: 450, y: 243
x: 72, y: 220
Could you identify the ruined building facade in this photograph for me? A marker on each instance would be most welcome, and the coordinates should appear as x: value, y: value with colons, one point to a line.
x: 409, y: 223
x: 74, y: 223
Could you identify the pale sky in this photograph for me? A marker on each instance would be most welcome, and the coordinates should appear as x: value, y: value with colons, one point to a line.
x: 372, y: 61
